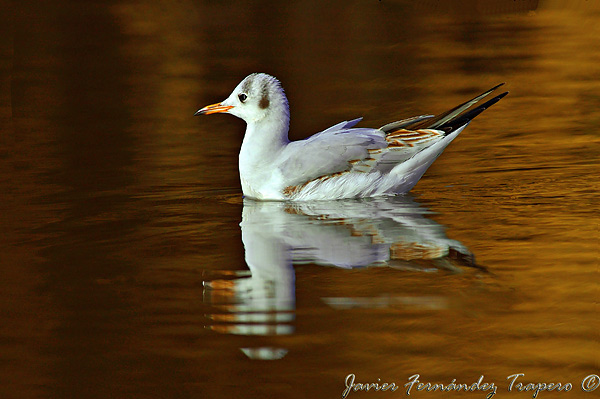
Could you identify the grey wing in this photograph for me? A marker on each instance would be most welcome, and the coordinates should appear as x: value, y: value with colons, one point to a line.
x: 337, y: 149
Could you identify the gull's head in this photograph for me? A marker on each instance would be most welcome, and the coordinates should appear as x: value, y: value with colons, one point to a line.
x: 257, y: 98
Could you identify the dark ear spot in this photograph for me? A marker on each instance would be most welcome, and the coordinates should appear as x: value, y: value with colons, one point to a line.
x: 264, y: 100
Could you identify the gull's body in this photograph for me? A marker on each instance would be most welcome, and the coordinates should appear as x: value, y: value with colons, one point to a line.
x: 341, y: 161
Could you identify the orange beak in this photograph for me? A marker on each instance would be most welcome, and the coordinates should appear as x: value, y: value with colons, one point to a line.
x: 213, y: 109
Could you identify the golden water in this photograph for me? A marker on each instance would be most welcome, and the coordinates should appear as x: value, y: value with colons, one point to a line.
x: 124, y: 271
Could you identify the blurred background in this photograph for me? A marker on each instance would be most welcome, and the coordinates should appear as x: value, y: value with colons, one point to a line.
x: 124, y: 271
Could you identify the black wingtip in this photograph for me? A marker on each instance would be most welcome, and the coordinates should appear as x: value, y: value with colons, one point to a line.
x: 468, y: 116
x: 445, y: 118
x: 495, y: 87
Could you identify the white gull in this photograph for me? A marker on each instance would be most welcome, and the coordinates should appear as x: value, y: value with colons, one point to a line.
x: 341, y: 161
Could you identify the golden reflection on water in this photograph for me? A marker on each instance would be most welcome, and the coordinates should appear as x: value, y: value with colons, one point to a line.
x: 121, y: 210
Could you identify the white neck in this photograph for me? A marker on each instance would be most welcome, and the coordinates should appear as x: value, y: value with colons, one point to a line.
x: 266, y: 134
x: 262, y: 143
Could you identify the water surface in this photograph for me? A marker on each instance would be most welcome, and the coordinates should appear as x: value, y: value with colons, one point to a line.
x: 127, y: 273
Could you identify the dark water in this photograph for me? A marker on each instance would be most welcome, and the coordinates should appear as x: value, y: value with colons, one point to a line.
x: 124, y: 270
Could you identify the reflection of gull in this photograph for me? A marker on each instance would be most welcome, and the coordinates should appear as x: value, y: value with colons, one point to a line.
x: 348, y: 234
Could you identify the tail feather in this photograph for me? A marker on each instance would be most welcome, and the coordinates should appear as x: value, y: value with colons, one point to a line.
x: 445, y: 120
x: 466, y: 117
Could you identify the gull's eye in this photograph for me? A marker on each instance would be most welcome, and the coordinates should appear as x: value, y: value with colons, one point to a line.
x: 242, y: 97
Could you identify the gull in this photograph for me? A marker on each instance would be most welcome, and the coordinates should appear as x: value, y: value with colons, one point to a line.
x: 342, y: 161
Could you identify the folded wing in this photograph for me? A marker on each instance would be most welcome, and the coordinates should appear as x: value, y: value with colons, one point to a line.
x: 344, y: 149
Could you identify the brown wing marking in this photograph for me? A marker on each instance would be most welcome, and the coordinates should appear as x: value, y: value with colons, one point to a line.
x: 292, y: 190
x: 403, y: 137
